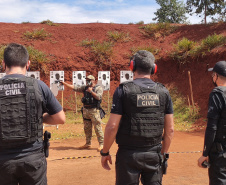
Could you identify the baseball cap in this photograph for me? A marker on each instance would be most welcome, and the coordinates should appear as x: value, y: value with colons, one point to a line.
x: 144, y: 56
x: 219, y: 68
x: 90, y: 77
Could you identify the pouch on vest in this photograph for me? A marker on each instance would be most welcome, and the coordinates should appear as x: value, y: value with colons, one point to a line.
x: 20, y: 112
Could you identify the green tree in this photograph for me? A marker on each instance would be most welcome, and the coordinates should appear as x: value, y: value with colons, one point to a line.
x: 171, y: 11
x: 208, y: 7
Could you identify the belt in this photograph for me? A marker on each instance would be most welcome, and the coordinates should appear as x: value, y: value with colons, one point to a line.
x: 89, y: 106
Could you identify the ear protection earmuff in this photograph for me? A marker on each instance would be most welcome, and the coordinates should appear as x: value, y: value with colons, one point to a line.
x: 154, y: 69
x: 132, y: 66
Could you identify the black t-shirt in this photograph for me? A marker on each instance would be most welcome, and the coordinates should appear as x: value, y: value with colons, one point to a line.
x: 215, y: 107
x: 143, y: 82
x: 52, y: 106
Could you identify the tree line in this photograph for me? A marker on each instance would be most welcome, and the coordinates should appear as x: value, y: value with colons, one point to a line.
x: 175, y: 11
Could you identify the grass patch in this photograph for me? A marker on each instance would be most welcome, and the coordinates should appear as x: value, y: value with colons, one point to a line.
x: 27, y: 22
x: 140, y: 23
x: 184, y: 115
x: 101, y: 53
x: 2, y: 48
x: 48, y: 22
x: 118, y: 36
x: 182, y: 50
x: 38, y: 60
x: 158, y: 30
x: 212, y: 41
x: 185, y: 48
x: 37, y: 34
x: 89, y: 42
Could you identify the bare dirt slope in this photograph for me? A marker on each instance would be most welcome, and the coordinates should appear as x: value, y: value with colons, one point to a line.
x: 66, y: 53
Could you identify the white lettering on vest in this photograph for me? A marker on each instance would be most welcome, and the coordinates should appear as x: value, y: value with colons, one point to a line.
x: 147, y: 100
x: 12, y: 92
x: 12, y: 89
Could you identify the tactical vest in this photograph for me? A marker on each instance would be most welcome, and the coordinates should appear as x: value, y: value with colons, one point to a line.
x: 20, y: 112
x: 142, y: 121
x: 89, y: 101
x: 221, y: 125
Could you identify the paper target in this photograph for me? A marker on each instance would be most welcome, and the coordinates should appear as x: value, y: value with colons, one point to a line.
x: 55, y: 77
x: 79, y: 78
x: 34, y: 74
x: 2, y: 75
x: 104, y: 79
x: 126, y: 76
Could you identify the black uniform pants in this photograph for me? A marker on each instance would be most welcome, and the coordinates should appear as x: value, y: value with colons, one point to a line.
x: 133, y: 166
x: 217, y: 170
x: 29, y: 170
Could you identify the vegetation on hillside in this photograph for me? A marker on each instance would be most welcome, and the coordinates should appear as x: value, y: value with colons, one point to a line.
x: 37, y: 34
x: 186, y: 49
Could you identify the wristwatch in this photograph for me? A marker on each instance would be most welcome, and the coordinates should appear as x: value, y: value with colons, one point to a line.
x: 103, y: 154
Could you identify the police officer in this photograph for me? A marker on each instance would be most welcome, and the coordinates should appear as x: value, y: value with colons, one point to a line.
x: 214, y: 153
x: 141, y: 110
x: 25, y: 104
x: 91, y: 109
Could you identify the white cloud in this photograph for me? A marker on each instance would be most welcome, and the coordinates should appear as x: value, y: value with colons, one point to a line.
x: 18, y: 11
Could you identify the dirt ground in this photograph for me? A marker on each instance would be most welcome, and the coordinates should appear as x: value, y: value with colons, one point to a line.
x: 70, y: 166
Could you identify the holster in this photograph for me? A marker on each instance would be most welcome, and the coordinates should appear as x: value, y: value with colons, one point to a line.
x: 165, y: 163
x: 47, y: 136
x: 102, y: 113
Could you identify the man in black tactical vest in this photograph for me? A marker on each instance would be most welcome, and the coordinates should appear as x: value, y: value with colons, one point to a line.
x: 141, y: 110
x: 214, y: 152
x: 25, y: 104
x: 92, y: 110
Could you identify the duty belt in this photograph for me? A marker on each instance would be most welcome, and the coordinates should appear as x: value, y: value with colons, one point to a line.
x: 89, y: 106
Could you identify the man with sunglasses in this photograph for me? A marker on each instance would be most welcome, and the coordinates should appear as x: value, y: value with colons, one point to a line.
x: 91, y: 109
x: 214, y: 152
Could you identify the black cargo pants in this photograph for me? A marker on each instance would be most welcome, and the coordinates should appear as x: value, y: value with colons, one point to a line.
x: 133, y: 166
x: 29, y: 170
x: 217, y: 170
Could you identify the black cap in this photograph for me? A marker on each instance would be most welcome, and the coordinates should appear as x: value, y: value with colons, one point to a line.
x: 219, y: 68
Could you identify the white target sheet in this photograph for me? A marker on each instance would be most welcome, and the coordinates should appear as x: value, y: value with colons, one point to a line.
x: 55, y: 78
x: 104, y: 79
x: 79, y: 78
x: 126, y: 76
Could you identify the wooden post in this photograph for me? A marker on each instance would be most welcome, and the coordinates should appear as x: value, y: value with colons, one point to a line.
x: 189, y: 102
x: 108, y: 102
x: 75, y: 103
x: 62, y: 99
x: 192, y: 100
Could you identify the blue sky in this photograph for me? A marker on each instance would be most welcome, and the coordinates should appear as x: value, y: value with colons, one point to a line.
x: 81, y: 11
